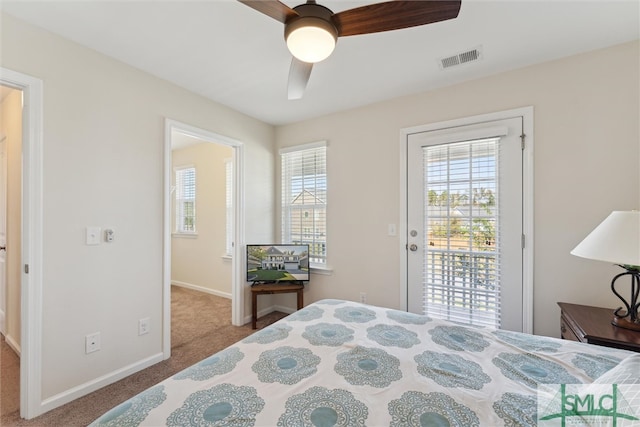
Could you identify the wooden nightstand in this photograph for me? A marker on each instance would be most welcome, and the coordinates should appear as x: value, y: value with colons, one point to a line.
x: 593, y: 325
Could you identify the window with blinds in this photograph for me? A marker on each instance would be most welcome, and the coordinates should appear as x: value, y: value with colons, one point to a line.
x: 228, y: 172
x: 462, y: 260
x: 185, y: 200
x: 304, y: 198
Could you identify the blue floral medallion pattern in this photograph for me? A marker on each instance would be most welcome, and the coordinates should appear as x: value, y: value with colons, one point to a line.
x: 355, y: 314
x: 458, y: 338
x: 451, y: 370
x: 529, y: 342
x: 306, y: 314
x: 133, y: 411
x: 222, y: 405
x: 286, y: 365
x: 269, y: 335
x: 433, y: 409
x: 328, y: 334
x: 218, y: 364
x: 368, y: 366
x: 517, y: 410
x: 531, y: 370
x: 321, y: 407
x: 392, y: 336
x: 408, y: 318
x: 595, y: 364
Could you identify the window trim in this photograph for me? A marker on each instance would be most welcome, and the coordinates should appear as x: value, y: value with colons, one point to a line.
x: 301, y: 147
x: 317, y: 268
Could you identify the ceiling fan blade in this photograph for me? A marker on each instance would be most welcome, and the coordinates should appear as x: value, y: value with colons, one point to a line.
x: 272, y: 8
x: 394, y: 15
x: 299, y: 74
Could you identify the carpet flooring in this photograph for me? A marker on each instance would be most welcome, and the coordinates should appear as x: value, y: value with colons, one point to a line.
x: 200, y: 326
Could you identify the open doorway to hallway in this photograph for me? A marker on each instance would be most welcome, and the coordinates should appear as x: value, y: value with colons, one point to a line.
x: 11, y: 118
x: 10, y: 213
x: 203, y: 216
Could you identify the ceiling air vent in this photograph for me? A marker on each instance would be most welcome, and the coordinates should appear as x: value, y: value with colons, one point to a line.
x: 461, y: 58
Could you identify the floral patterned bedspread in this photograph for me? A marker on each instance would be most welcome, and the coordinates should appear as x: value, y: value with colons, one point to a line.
x: 349, y: 364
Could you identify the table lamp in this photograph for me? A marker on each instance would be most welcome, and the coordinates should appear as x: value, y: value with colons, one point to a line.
x: 617, y: 240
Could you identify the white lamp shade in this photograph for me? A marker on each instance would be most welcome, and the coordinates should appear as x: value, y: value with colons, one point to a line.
x: 615, y: 240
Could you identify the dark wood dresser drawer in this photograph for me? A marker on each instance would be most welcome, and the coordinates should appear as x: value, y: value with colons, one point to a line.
x: 566, y: 331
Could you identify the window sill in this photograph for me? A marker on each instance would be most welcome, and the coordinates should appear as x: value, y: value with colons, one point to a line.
x: 185, y: 235
x: 324, y: 270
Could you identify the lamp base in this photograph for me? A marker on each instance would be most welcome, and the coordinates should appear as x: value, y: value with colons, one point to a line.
x: 621, y: 322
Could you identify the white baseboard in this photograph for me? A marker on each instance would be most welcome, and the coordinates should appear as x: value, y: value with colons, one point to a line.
x: 268, y: 310
x: 11, y: 342
x: 201, y: 289
x: 93, y: 385
x: 283, y: 309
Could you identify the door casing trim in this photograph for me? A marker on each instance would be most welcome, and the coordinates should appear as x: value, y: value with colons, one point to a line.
x: 526, y: 113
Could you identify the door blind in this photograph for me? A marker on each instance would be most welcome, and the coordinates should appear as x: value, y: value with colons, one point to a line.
x: 461, y: 268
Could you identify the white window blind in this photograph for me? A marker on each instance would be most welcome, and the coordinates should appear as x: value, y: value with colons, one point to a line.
x: 185, y: 200
x: 228, y: 170
x: 304, y: 198
x: 462, y: 263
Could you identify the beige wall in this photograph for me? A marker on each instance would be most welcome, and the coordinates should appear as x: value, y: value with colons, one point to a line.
x: 586, y: 156
x: 103, y: 149
x: 198, y: 262
x: 103, y: 165
x: 11, y: 127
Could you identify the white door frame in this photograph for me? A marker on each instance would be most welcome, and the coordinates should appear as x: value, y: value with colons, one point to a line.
x: 32, y: 242
x: 237, y: 296
x: 527, y: 170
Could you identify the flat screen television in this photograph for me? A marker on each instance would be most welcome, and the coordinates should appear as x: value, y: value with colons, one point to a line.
x: 283, y: 263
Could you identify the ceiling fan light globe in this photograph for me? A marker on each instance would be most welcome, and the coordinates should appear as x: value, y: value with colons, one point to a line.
x: 311, y: 39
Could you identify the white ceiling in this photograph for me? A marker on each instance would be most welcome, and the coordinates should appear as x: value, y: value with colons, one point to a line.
x: 236, y: 56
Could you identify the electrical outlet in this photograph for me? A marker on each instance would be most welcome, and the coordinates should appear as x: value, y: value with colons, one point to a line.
x: 92, y: 343
x: 363, y: 297
x: 144, y: 326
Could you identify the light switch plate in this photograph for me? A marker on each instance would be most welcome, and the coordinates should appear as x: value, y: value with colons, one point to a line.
x: 93, y: 235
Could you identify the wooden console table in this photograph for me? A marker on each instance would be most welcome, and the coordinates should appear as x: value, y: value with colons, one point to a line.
x: 269, y: 288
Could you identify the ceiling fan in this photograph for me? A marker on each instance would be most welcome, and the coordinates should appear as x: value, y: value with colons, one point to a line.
x: 311, y: 30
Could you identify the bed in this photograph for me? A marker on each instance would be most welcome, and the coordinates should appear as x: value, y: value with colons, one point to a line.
x: 343, y: 363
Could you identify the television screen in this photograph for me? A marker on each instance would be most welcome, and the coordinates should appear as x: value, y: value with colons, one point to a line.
x: 277, y: 263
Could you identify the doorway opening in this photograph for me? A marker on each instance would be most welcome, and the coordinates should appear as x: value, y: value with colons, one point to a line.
x: 203, y: 214
x: 11, y: 119
x: 10, y: 183
x: 28, y: 252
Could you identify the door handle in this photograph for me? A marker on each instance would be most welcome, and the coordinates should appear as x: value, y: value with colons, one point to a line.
x: 3, y: 248
x: 413, y: 247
